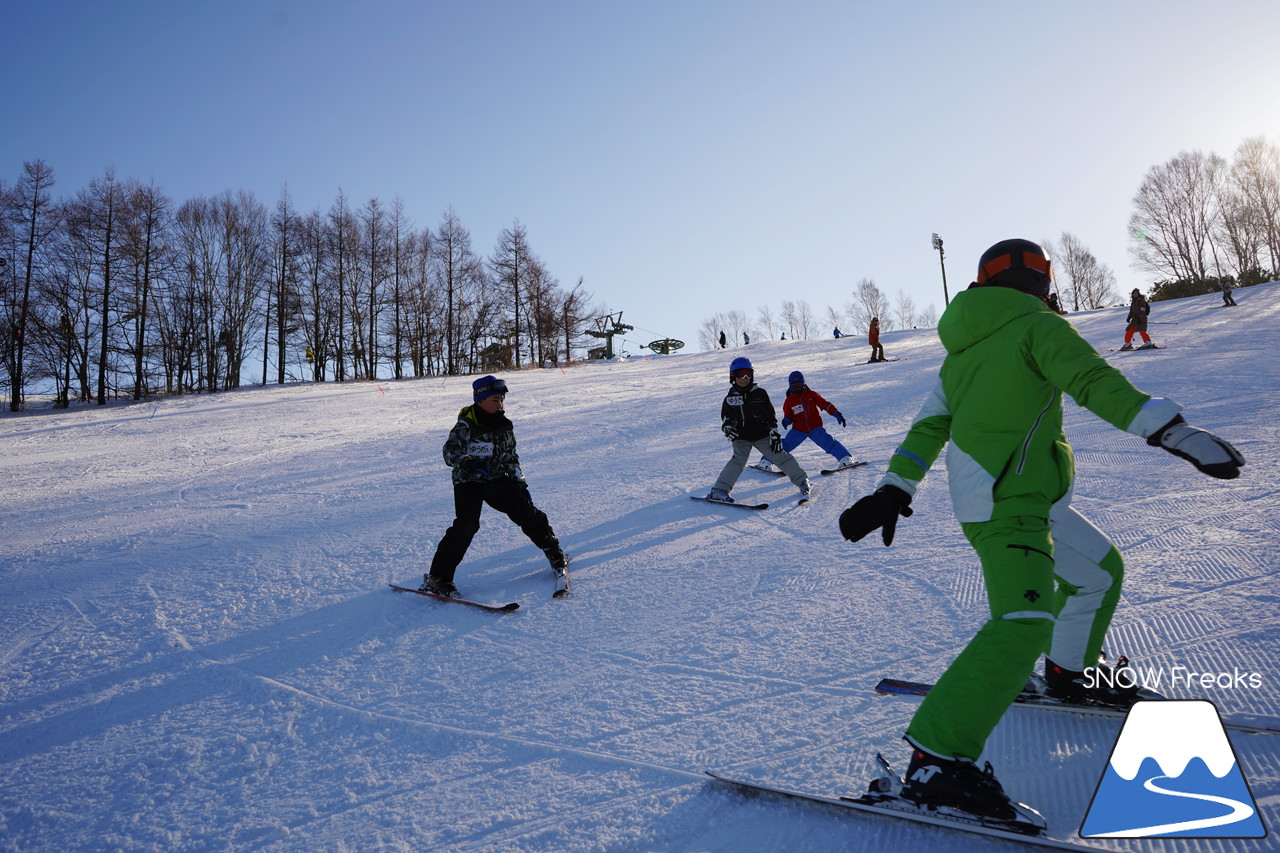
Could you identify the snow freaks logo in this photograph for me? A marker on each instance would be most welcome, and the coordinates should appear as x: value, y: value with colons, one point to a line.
x: 1173, y: 774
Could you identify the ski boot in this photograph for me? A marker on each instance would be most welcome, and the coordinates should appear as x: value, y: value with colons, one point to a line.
x: 1112, y: 687
x: 1149, y: 345
x: 958, y: 784
x: 558, y: 559
x: 719, y: 495
x: 438, y: 586
x: 1127, y: 346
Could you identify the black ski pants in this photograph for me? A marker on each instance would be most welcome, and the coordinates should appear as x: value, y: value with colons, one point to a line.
x: 506, y: 496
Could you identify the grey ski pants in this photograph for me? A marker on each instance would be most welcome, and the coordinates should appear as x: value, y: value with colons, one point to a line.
x: 742, y: 452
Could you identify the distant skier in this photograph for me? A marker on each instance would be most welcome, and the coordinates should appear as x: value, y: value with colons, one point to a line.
x: 1139, y: 310
x: 835, y: 333
x: 801, y: 411
x: 1052, y: 301
x: 998, y: 401
x: 723, y: 341
x: 481, y: 450
x: 873, y: 338
x: 1227, y: 300
x: 748, y: 420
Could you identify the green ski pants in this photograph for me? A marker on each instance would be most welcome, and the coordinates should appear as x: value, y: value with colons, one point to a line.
x: 1026, y: 599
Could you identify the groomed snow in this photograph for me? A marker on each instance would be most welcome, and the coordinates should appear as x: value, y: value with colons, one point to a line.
x: 199, y: 651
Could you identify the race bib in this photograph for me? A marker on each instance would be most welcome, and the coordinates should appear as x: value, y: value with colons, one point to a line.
x: 480, y: 448
x: 734, y: 401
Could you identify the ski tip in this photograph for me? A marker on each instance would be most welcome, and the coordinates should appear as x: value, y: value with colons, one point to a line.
x: 507, y: 608
x: 560, y: 593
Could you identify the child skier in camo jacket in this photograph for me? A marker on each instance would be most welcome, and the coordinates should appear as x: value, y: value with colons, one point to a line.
x: 481, y: 450
x: 748, y: 420
x: 801, y: 411
x: 998, y: 404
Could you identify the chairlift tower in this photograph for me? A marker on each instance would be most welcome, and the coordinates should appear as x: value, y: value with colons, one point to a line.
x: 606, y: 327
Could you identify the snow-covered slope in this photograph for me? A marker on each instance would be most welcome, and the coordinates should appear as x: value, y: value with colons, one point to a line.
x: 198, y: 649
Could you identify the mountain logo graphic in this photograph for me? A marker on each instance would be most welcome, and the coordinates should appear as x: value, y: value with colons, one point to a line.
x: 1173, y: 774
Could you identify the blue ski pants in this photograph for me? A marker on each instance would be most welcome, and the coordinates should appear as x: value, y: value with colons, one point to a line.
x: 820, y: 436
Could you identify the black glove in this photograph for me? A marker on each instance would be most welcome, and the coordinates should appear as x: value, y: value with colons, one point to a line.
x: 879, y: 510
x: 1210, y: 454
x: 775, y: 442
x: 839, y: 417
x: 730, y: 430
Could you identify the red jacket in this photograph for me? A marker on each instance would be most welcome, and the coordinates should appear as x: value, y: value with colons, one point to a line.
x: 803, y: 409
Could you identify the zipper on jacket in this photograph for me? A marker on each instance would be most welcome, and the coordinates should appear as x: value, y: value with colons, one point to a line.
x: 1026, y: 443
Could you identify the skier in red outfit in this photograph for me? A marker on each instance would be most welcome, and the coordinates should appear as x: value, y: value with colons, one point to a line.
x: 801, y: 411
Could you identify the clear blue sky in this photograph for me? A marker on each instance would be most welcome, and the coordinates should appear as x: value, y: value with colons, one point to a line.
x: 682, y: 157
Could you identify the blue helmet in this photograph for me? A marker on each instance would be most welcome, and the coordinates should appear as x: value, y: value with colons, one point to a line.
x: 487, y: 386
x: 796, y: 378
x: 740, y: 363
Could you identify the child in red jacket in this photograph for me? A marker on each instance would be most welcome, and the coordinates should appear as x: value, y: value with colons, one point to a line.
x: 801, y: 411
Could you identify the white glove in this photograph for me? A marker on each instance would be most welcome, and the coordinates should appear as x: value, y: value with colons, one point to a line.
x: 1206, y: 451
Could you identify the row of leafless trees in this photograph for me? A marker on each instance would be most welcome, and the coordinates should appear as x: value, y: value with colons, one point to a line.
x: 1199, y: 217
x: 120, y: 290
x: 797, y: 320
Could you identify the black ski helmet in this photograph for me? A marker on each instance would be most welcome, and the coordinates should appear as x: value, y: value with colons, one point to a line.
x: 1019, y: 264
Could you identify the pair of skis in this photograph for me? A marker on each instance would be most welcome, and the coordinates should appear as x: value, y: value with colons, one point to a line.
x: 804, y: 499
x: 826, y: 472
x: 561, y: 591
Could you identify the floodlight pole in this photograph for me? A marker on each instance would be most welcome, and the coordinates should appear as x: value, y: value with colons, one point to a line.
x: 937, y: 244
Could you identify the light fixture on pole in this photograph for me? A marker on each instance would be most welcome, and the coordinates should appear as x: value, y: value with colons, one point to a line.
x: 937, y: 244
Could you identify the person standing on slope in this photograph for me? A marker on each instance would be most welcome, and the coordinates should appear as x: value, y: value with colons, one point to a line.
x: 801, y: 411
x: 1227, y: 300
x: 1053, y: 579
x: 481, y: 450
x: 748, y: 420
x: 1139, y: 309
x: 873, y: 338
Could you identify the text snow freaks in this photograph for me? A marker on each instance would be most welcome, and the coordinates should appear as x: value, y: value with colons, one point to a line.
x: 1158, y: 678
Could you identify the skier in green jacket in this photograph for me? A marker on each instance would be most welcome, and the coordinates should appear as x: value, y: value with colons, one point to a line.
x: 1052, y: 578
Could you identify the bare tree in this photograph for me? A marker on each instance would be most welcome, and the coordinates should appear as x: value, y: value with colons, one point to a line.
x: 736, y: 325
x: 575, y: 309
x: 709, y: 332
x: 456, y: 270
x: 928, y: 317
x: 869, y: 301
x: 282, y: 293
x: 905, y: 310
x: 510, y: 263
x: 767, y: 321
x: 1173, y: 222
x: 401, y: 256
x: 806, y: 324
x: 148, y: 253
x: 1083, y: 282
x: 1255, y: 177
x: 31, y: 219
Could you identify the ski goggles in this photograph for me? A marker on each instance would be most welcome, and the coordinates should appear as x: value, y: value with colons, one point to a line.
x: 742, y: 371
x: 497, y: 386
x: 1029, y: 260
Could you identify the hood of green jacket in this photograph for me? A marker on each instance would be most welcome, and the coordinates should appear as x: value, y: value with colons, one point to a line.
x: 977, y: 313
